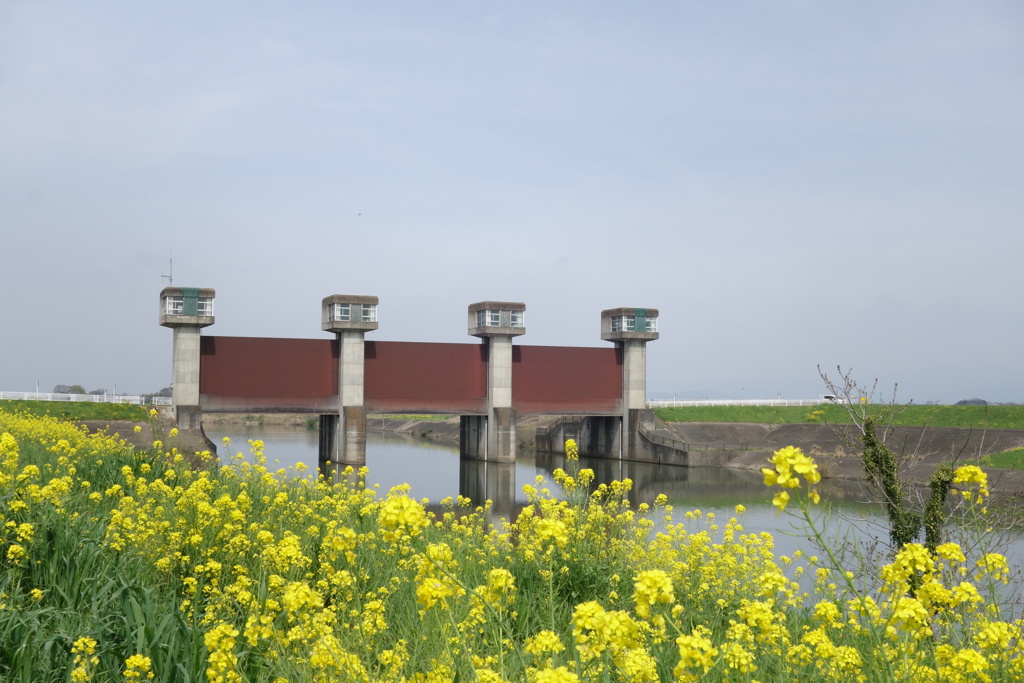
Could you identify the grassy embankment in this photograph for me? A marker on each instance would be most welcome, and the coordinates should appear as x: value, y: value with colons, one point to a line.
x: 975, y: 417
x: 991, y: 417
x: 77, y: 410
x: 120, y: 564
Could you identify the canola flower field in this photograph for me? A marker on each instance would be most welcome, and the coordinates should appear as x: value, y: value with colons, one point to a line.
x: 124, y: 565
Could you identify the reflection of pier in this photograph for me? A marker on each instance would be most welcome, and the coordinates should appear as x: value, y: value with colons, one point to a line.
x: 480, y: 480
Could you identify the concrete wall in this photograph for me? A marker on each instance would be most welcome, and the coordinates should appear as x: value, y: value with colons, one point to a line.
x: 351, y: 353
x: 499, y: 372
x: 634, y: 375
x: 185, y: 378
x: 185, y: 366
x: 694, y: 457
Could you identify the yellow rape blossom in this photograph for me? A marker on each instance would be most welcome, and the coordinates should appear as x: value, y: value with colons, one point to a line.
x: 572, y: 451
x: 401, y: 517
x: 223, y: 663
x: 972, y: 474
x: 790, y: 465
x: 137, y: 667
x: 696, y: 653
x: 86, y: 660
x: 652, y: 587
x: 557, y: 675
x: 544, y: 643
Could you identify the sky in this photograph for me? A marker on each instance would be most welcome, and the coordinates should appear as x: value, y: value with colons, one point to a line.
x: 791, y: 184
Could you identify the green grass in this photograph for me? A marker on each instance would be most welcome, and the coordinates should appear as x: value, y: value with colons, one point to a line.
x: 76, y: 410
x: 991, y: 417
x: 1012, y: 459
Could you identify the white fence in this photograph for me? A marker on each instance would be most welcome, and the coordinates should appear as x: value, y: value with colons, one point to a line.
x: 739, y: 402
x: 88, y: 398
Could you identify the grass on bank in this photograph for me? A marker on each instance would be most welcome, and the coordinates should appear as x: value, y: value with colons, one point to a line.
x: 990, y: 417
x: 1012, y: 459
x: 77, y: 410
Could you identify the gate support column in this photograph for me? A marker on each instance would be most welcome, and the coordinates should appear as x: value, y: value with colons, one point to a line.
x: 473, y: 436
x: 343, y: 436
x: 601, y: 436
x: 186, y: 310
x: 497, y: 322
x: 630, y: 329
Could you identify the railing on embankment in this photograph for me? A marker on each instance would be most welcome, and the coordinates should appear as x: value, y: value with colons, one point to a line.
x: 88, y: 398
x: 777, y: 403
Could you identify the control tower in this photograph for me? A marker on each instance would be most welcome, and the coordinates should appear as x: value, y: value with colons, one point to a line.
x: 343, y: 436
x: 630, y: 329
x: 186, y: 310
x: 493, y: 436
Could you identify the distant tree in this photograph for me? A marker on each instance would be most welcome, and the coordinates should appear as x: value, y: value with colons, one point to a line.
x: 97, y: 392
x: 166, y: 392
x: 972, y: 402
x: 68, y: 389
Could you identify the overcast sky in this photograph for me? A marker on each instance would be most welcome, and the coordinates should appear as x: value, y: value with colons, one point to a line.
x: 789, y: 183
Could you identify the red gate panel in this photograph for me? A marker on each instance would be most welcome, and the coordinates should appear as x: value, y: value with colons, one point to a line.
x: 416, y: 377
x: 259, y: 374
x: 566, y: 380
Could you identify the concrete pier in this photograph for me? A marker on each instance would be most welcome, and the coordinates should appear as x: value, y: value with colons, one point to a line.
x: 496, y: 322
x: 186, y: 310
x: 630, y: 329
x: 343, y: 435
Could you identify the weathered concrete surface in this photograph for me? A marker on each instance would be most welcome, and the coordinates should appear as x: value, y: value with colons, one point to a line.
x: 437, y: 430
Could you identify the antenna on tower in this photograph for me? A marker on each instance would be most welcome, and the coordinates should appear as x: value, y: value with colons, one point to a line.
x: 170, y: 276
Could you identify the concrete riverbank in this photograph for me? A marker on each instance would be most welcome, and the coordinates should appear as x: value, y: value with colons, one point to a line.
x: 921, y: 449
